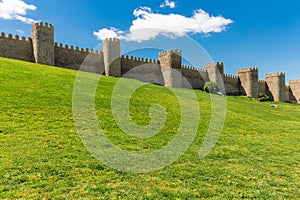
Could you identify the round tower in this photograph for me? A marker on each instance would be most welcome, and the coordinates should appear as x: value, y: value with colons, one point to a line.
x: 276, y: 86
x: 294, y: 90
x: 170, y: 62
x: 249, y: 81
x: 215, y: 72
x: 111, y: 57
x: 43, y: 43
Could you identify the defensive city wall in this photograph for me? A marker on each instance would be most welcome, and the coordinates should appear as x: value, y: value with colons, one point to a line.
x: 168, y: 70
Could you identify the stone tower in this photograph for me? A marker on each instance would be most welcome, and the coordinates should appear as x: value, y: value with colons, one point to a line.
x: 249, y: 81
x: 294, y: 86
x: 276, y: 86
x: 111, y: 57
x: 215, y: 72
x: 43, y: 43
x: 170, y: 62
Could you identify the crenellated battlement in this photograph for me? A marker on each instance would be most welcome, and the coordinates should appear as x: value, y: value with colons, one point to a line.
x: 41, y: 24
x: 167, y: 70
x: 297, y: 81
x: 112, y: 40
x: 231, y: 76
x: 275, y: 74
x: 176, y: 51
x: 214, y: 64
x: 139, y: 59
x: 249, y: 69
x: 16, y: 37
x: 193, y: 68
x: 77, y: 49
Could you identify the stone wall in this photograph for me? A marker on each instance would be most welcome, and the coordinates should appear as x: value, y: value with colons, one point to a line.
x: 43, y: 43
x: 170, y: 65
x: 215, y: 72
x: 145, y: 70
x: 167, y: 71
x: 196, y: 77
x: 111, y: 55
x: 249, y: 81
x: 276, y: 86
x: 72, y: 58
x: 232, y: 85
x: 294, y: 86
x: 262, y: 87
x: 16, y: 48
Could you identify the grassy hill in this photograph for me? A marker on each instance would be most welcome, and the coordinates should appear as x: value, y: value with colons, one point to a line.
x: 42, y: 156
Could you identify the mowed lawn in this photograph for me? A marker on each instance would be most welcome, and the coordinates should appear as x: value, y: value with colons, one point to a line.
x: 43, y: 157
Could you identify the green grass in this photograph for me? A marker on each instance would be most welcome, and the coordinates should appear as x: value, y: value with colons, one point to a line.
x: 42, y: 156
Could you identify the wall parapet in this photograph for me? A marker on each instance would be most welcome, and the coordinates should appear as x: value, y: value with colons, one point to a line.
x: 112, y: 39
x: 193, y: 68
x: 139, y: 59
x: 214, y: 64
x: 249, y: 69
x: 274, y: 74
x: 176, y: 51
x: 297, y: 81
x: 41, y: 48
x: 16, y: 37
x: 77, y: 49
x: 46, y: 25
x: 231, y: 76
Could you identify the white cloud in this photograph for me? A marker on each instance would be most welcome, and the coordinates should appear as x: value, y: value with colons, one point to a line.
x: 20, y: 31
x: 167, y: 3
x: 16, y: 10
x: 148, y: 25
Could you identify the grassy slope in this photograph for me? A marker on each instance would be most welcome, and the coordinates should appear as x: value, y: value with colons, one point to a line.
x: 41, y: 154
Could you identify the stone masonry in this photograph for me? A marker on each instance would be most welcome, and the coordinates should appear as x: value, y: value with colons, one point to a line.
x: 168, y: 70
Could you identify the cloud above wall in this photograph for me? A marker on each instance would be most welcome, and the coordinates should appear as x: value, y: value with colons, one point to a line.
x: 148, y: 25
x: 16, y: 10
x: 167, y: 3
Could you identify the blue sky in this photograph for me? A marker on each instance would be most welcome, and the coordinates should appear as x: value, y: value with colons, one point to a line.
x: 245, y: 33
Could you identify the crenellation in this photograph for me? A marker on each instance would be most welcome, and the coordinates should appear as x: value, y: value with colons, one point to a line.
x: 231, y: 76
x: 167, y: 70
x: 15, y: 37
x: 275, y: 74
x: 43, y: 25
x: 202, y: 70
x: 249, y: 69
x: 297, y: 81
